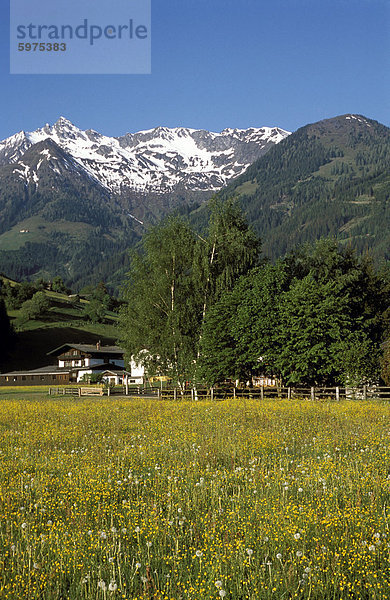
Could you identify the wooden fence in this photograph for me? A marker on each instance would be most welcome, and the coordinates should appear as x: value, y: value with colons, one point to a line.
x: 219, y: 393
x: 76, y: 391
x: 289, y: 393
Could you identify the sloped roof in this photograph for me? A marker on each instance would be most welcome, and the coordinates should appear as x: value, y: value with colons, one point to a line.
x: 89, y: 348
x: 49, y: 370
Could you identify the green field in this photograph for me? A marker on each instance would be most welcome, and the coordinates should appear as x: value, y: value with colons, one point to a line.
x: 122, y: 498
x: 40, y: 230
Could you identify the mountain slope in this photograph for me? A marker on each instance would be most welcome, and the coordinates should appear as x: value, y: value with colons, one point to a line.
x: 154, y: 161
x: 72, y: 202
x: 57, y: 219
x: 330, y: 178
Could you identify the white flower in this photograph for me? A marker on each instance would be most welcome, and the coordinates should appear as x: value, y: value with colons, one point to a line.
x: 102, y: 585
x: 124, y: 530
x: 148, y: 544
x: 299, y: 553
x: 279, y: 556
x: 307, y: 570
x: 144, y: 579
x: 138, y: 565
x: 300, y: 490
x: 49, y: 523
x: 137, y: 529
x: 113, y: 586
x: 371, y: 548
x: 199, y: 553
x: 222, y: 593
x: 297, y: 536
x: 113, y: 529
x: 218, y: 583
x: 111, y: 559
x: 24, y: 525
x: 249, y: 551
x: 103, y: 535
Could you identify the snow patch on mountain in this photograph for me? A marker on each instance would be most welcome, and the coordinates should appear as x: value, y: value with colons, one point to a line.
x: 155, y: 160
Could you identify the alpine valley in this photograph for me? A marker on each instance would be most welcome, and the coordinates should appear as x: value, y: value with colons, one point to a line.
x: 72, y: 201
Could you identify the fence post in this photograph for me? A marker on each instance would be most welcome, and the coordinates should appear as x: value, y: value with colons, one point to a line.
x: 79, y: 390
x: 175, y: 394
x: 288, y: 393
x: 364, y: 392
x: 312, y: 393
x: 338, y: 394
x: 234, y: 392
x: 212, y: 393
x: 262, y: 392
x: 192, y: 393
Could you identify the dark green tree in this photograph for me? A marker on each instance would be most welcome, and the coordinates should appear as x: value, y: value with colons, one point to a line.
x: 240, y: 329
x: 34, y: 308
x: 159, y: 324
x: 59, y: 286
x: 230, y: 251
x: 317, y: 317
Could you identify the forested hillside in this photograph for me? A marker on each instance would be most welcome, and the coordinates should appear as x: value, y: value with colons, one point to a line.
x: 331, y: 178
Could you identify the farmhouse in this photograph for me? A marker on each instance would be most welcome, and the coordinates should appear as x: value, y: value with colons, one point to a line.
x: 74, y: 361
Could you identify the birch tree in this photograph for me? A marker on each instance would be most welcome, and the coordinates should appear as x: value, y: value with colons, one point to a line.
x: 160, y: 320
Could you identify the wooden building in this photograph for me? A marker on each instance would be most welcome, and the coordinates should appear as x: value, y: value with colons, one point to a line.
x: 50, y: 375
x: 73, y: 362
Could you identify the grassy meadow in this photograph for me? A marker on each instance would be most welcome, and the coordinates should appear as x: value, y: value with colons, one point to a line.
x: 123, y: 498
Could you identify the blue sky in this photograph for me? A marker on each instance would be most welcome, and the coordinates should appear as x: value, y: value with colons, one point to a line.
x: 223, y: 63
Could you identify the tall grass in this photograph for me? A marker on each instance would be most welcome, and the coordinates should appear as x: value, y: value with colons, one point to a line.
x: 110, y: 498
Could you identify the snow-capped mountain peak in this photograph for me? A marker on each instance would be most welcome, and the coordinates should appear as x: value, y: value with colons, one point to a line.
x: 157, y: 160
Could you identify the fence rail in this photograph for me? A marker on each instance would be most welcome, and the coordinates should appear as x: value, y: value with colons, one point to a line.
x: 313, y: 393
x: 220, y: 393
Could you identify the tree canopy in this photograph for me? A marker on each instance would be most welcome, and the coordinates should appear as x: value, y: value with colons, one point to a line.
x: 316, y: 317
x: 174, y: 280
